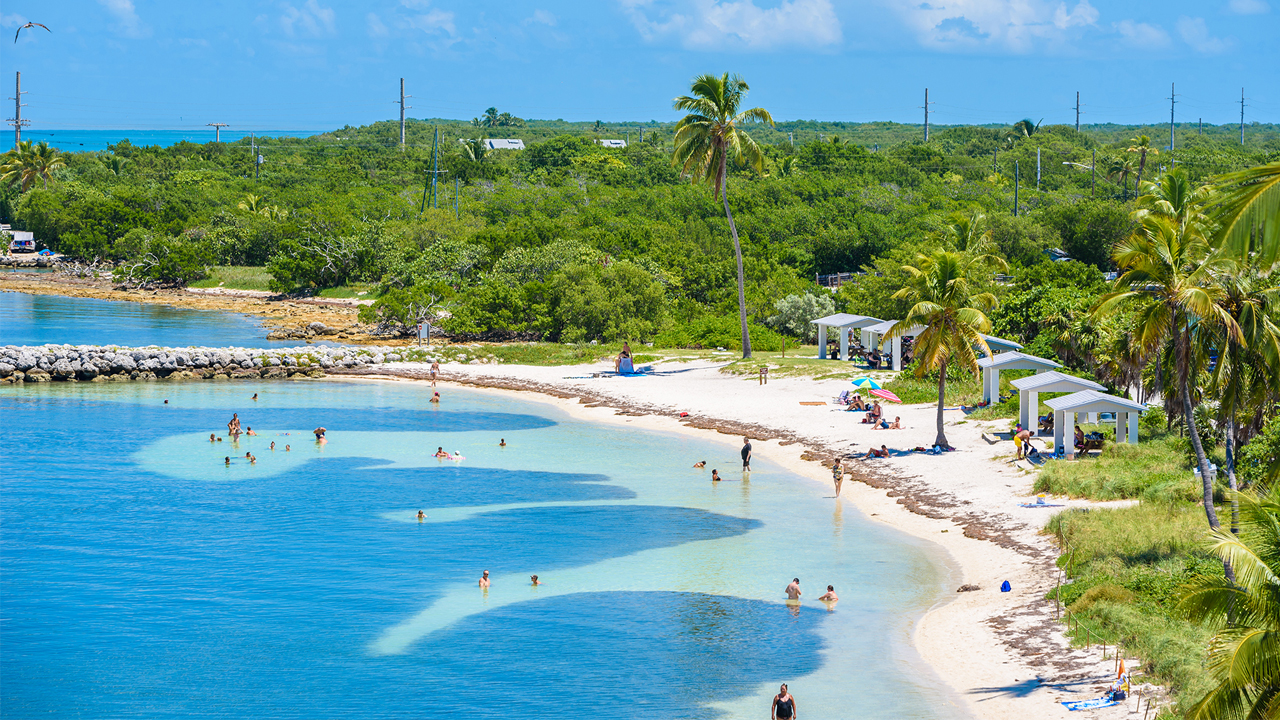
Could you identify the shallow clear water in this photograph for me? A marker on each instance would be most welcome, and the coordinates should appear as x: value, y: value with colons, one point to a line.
x: 43, y: 319
x: 145, y: 578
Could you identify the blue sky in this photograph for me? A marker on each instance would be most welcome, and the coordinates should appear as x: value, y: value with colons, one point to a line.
x: 315, y: 64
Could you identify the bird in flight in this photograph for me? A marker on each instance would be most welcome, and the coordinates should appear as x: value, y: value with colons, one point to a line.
x: 28, y: 25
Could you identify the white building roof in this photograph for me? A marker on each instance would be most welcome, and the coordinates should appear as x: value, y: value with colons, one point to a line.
x: 504, y: 144
x: 618, y: 144
x: 1054, y: 381
x: 845, y: 320
x: 996, y: 344
x: 1087, y: 401
x: 1015, y: 360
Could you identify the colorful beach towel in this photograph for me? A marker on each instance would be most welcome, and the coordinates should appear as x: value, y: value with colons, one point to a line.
x: 1093, y: 704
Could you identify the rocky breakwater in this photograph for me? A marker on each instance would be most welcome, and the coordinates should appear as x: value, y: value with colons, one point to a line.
x: 97, y: 363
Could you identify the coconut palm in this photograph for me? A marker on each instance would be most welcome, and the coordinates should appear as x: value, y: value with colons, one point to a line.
x: 491, y: 117
x: 1119, y: 168
x: 952, y: 314
x: 475, y: 150
x: 1247, y: 210
x: 1142, y: 146
x: 1025, y: 128
x: 1173, y: 196
x: 1244, y: 655
x: 1169, y: 271
x: 789, y: 167
x: 967, y: 232
x: 29, y: 162
x: 707, y: 138
x: 250, y: 203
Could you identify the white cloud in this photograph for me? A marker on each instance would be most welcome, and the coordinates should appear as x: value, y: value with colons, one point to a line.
x: 311, y: 20
x: 1016, y: 25
x: 127, y: 21
x: 376, y: 27
x: 543, y: 17
x: 1195, y: 33
x: 720, y: 24
x: 1248, y: 7
x: 1142, y: 35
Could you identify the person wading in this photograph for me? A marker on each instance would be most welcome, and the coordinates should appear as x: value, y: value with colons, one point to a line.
x: 784, y: 706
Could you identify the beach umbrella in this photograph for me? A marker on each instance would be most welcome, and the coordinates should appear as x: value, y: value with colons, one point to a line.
x: 885, y: 394
x: 866, y: 383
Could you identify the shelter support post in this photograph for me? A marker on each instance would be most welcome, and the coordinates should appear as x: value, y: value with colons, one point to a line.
x: 897, y: 353
x: 822, y: 342
x: 1024, y: 410
x: 1070, y: 447
x: 1133, y: 428
x: 1058, y: 425
x: 844, y: 343
x: 1122, y: 419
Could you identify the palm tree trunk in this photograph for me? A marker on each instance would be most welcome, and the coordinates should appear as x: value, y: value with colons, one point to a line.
x: 1142, y: 164
x: 1227, y: 570
x: 737, y: 254
x: 1201, y: 460
x: 941, y: 440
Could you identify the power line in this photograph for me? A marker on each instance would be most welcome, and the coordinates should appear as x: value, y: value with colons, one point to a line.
x: 217, y: 130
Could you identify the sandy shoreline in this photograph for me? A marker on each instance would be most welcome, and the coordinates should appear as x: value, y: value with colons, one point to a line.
x: 1002, y: 655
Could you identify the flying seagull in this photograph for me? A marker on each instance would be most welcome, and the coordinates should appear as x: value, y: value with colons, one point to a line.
x: 28, y: 25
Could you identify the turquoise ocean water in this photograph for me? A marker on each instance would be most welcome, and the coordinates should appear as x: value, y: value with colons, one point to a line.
x: 92, y: 140
x: 143, y: 578
x: 43, y: 319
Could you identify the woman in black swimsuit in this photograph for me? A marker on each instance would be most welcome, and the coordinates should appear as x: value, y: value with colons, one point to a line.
x: 784, y: 706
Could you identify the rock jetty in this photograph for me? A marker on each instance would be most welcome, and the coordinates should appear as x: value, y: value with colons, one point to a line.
x: 106, y: 363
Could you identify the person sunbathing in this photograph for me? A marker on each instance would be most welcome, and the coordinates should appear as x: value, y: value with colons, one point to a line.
x: 886, y: 425
x: 855, y: 403
x: 883, y: 452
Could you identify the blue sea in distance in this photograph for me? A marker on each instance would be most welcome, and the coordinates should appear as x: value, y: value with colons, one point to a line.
x: 144, y: 578
x: 44, y: 319
x: 91, y: 140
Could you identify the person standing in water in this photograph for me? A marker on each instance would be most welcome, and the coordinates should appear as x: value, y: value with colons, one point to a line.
x: 420, y: 516
x: 746, y: 454
x: 319, y: 433
x: 502, y: 442
x: 484, y: 580
x: 715, y: 475
x: 435, y: 397
x: 793, y: 590
x: 784, y: 705
x: 534, y: 578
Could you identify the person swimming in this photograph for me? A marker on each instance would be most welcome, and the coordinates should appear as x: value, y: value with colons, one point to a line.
x: 435, y: 397
x: 255, y: 396
x: 715, y: 475
x: 700, y: 464
x: 421, y: 515
x: 286, y: 448
x: 213, y: 437
x: 440, y: 453
x: 273, y: 445
x: 502, y: 442
x: 319, y: 433
x: 219, y: 439
x: 534, y: 579
x: 249, y: 431
x: 228, y: 460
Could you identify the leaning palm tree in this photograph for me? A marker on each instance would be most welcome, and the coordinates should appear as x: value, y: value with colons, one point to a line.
x: 953, y: 315
x: 1244, y: 655
x: 1142, y: 146
x: 1169, y: 271
x: 1247, y: 209
x: 707, y: 138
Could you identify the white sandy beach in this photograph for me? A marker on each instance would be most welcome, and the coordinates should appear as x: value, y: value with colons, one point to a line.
x: 1002, y: 654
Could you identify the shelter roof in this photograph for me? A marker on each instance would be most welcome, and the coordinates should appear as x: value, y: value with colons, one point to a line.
x: 1054, y: 381
x: 845, y: 320
x: 1014, y: 360
x: 1093, y: 401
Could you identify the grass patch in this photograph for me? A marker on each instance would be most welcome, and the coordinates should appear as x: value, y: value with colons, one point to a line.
x: 1155, y: 469
x: 360, y: 291
x: 236, y: 277
x: 962, y: 389
x: 1127, y: 567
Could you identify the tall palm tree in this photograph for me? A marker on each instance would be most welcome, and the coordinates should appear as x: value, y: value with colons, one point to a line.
x: 1142, y: 146
x: 967, y: 232
x: 1025, y: 128
x: 1169, y: 270
x: 953, y: 315
x: 707, y: 138
x: 1247, y: 210
x: 1247, y: 374
x: 1121, y: 167
x: 47, y: 159
x: 1244, y: 655
x: 491, y: 117
x: 475, y: 150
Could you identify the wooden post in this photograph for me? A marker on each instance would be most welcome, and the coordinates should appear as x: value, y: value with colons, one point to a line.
x: 784, y: 347
x: 1144, y: 715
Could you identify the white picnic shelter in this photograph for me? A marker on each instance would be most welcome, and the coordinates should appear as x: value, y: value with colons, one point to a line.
x: 1067, y: 407
x: 1029, y: 389
x: 999, y: 345
x: 874, y: 336
x: 1012, y: 360
x: 842, y: 323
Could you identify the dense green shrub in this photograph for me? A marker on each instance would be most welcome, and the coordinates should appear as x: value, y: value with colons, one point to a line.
x: 723, y: 331
x: 796, y: 313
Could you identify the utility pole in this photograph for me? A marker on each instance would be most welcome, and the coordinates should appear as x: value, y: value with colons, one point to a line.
x: 217, y: 130
x: 1015, y: 188
x: 1172, y: 101
x: 1037, y: 169
x: 403, y: 107
x: 926, y: 114
x: 1077, y: 111
x: 1200, y: 130
x: 1241, y: 116
x: 457, y: 188
x: 791, y: 138
x: 17, y: 122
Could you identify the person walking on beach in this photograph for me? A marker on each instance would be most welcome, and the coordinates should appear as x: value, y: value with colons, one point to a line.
x: 784, y: 706
x: 435, y: 371
x: 1021, y: 441
x: 484, y: 580
x: 793, y: 590
x: 837, y: 475
x: 746, y: 454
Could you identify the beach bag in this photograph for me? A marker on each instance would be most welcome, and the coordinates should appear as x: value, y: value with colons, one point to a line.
x: 1005, y: 586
